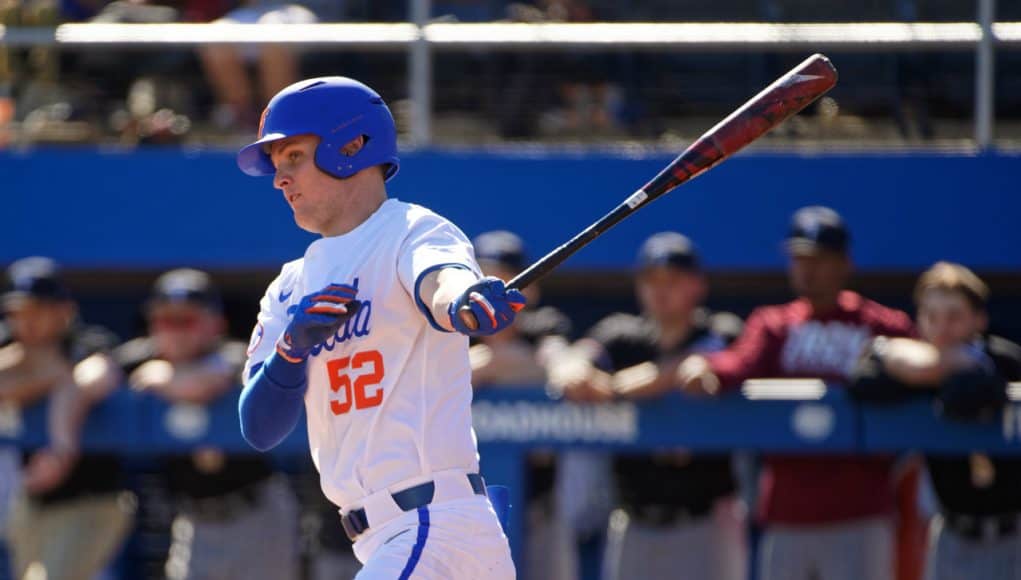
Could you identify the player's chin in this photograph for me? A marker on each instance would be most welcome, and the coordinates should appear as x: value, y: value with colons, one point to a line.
x: 305, y: 222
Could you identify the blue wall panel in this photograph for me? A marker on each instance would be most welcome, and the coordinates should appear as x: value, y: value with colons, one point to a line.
x: 165, y: 207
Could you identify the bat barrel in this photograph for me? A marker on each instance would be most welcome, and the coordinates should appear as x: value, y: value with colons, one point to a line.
x: 783, y: 98
x: 772, y: 106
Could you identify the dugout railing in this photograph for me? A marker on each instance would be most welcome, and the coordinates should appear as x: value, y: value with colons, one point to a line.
x: 790, y: 416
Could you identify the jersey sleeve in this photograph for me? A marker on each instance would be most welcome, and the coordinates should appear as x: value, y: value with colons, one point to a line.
x: 433, y: 243
x: 1006, y: 357
x: 130, y: 355
x: 752, y: 355
x: 897, y: 323
x: 269, y: 325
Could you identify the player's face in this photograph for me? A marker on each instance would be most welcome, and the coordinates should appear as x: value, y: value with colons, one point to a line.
x: 183, y: 332
x: 310, y: 192
x: 947, y: 319
x: 669, y: 294
x: 39, y: 322
x: 819, y: 276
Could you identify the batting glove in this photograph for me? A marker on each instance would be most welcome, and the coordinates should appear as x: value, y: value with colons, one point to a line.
x: 318, y: 317
x: 491, y: 303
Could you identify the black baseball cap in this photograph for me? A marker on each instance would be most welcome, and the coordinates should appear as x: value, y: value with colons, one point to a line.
x: 36, y: 277
x: 186, y: 286
x: 501, y: 248
x: 817, y: 228
x: 669, y: 249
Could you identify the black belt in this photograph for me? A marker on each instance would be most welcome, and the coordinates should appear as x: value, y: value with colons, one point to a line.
x: 985, y: 528
x: 355, y: 522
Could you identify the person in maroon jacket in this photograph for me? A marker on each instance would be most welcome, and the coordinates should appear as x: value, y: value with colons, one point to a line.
x: 825, y: 517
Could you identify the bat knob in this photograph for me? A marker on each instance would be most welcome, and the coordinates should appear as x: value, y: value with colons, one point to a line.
x: 468, y: 318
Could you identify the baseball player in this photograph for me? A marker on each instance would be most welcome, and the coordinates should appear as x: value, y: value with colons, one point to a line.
x: 826, y: 517
x: 975, y: 534
x: 675, y: 510
x: 366, y: 330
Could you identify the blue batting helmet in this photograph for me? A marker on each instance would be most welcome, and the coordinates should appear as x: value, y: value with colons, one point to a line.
x: 337, y: 110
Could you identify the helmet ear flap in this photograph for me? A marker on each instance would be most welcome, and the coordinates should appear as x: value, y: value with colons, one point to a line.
x: 331, y: 158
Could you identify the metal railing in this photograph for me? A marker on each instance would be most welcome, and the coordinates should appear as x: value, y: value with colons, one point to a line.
x: 420, y: 37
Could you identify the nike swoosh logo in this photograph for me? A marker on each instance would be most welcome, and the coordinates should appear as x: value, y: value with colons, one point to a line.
x: 283, y: 297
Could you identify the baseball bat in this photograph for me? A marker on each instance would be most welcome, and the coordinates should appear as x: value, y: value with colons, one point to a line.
x: 786, y: 96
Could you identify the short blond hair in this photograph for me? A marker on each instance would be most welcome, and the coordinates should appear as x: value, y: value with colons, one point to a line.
x: 951, y: 277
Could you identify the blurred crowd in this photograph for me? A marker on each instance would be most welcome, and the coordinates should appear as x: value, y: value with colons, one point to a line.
x: 67, y: 512
x: 209, y: 94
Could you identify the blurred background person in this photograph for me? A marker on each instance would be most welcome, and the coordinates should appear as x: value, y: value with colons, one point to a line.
x: 975, y: 534
x: 518, y: 357
x: 235, y: 517
x: 73, y: 512
x: 226, y: 67
x: 825, y: 517
x: 677, y: 513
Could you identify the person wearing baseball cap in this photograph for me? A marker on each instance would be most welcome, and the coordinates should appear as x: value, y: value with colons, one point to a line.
x: 73, y: 511
x: 977, y: 530
x: 518, y: 357
x: 817, y: 229
x: 818, y: 245
x: 500, y: 249
x: 825, y: 517
x: 226, y: 503
x: 676, y: 512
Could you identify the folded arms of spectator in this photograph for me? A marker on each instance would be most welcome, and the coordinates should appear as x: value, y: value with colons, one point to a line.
x: 199, y: 383
x: 94, y: 378
x: 892, y: 368
x: 576, y: 377
x: 751, y: 355
x: 27, y: 376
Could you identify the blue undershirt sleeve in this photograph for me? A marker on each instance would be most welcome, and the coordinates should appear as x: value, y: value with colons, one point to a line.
x: 272, y: 401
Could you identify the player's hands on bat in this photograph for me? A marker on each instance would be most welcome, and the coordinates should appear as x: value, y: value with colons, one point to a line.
x: 484, y: 308
x: 318, y: 317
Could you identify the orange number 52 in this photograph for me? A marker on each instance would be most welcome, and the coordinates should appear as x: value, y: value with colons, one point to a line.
x: 365, y: 391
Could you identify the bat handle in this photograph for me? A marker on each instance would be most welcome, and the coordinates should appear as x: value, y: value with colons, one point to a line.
x: 468, y: 318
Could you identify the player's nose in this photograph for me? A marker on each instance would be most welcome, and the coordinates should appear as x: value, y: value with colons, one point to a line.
x: 281, y: 179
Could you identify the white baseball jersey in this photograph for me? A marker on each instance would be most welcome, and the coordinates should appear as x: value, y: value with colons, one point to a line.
x: 389, y: 396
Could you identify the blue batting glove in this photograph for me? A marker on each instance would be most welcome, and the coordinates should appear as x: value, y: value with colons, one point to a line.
x: 318, y: 317
x: 491, y: 303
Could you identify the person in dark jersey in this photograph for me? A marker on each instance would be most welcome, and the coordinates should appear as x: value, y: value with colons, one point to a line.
x: 520, y: 354
x: 676, y: 512
x: 73, y: 511
x: 975, y: 534
x: 518, y: 357
x: 233, y: 512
